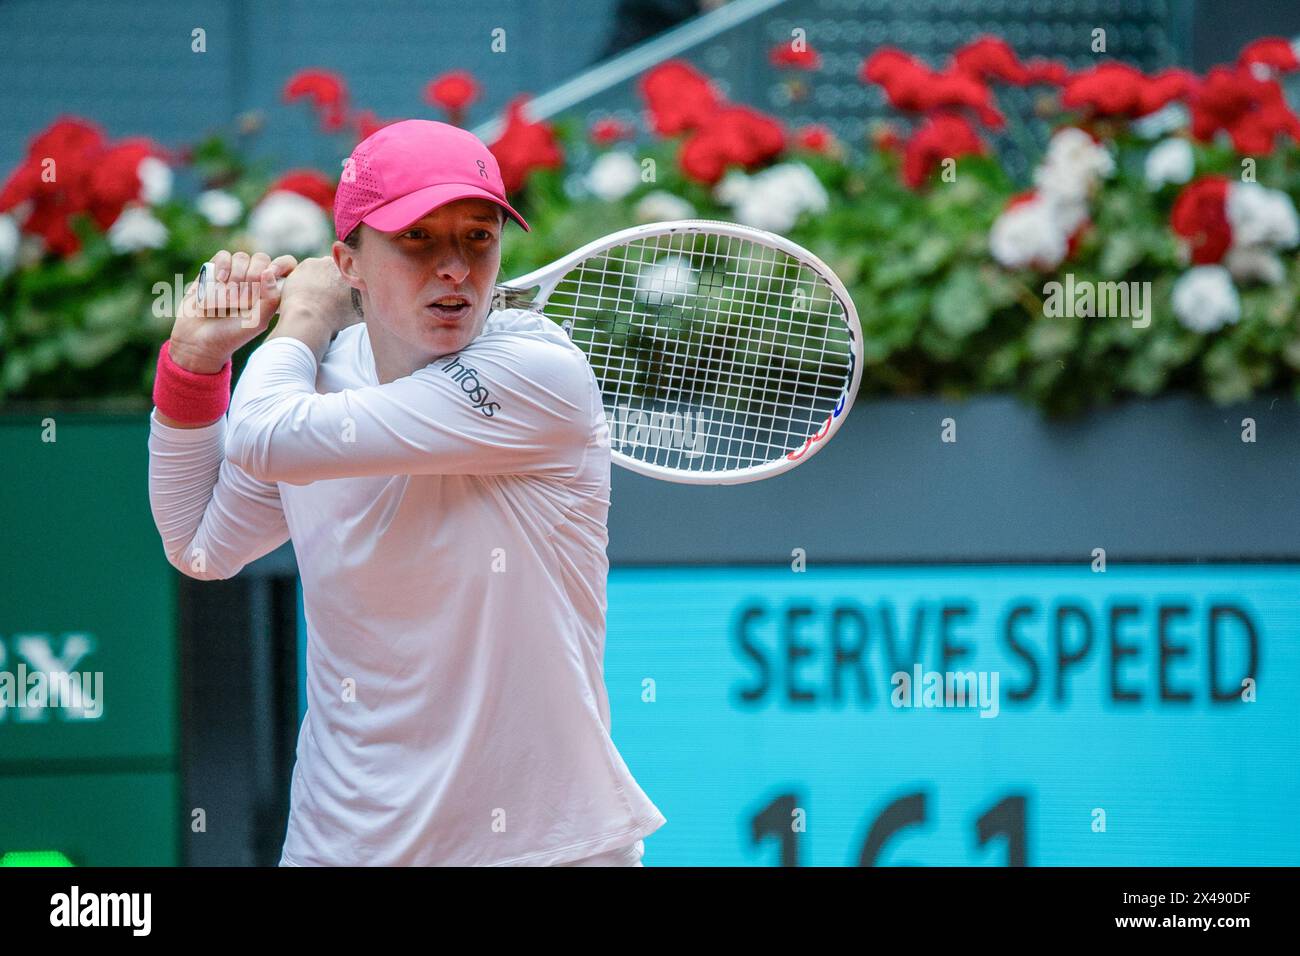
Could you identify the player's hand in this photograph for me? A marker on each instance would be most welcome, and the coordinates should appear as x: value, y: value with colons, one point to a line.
x: 239, y: 298
x: 317, y: 287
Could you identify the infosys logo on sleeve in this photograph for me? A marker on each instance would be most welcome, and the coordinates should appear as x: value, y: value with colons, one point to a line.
x: 469, y: 384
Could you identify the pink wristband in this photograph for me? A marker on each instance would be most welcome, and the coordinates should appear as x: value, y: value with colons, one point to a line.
x: 194, y: 398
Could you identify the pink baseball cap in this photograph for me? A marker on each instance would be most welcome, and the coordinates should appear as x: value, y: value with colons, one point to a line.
x: 401, y: 172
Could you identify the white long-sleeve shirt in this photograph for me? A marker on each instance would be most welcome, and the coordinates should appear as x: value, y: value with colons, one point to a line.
x: 450, y: 533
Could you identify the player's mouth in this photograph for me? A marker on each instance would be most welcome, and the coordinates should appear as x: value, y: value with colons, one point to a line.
x: 449, y: 307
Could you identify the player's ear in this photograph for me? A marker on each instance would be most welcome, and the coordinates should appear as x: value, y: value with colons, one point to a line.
x: 345, y: 258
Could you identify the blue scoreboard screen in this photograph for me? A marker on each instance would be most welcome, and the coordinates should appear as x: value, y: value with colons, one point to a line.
x: 961, y: 715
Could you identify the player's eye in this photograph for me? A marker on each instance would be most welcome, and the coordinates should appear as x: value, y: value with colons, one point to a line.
x: 412, y: 233
x: 482, y: 234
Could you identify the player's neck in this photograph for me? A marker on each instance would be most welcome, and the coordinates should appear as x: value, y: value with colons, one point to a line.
x: 394, y: 358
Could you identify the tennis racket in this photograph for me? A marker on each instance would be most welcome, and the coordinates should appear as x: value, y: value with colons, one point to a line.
x: 724, y: 353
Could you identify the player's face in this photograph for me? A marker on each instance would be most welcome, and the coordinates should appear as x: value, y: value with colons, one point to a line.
x: 430, y: 284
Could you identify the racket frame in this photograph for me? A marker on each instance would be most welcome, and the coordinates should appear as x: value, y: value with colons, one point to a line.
x: 548, y: 278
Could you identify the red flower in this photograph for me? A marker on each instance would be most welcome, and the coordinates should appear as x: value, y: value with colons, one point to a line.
x: 738, y: 135
x: 67, y: 138
x: 1252, y: 111
x: 1111, y: 89
x: 1165, y: 87
x: 953, y: 89
x: 1274, y: 52
x: 91, y: 177
x: 1224, y: 97
x: 785, y: 56
x: 816, y: 138
x: 943, y: 136
x: 453, y: 92
x: 306, y: 182
x: 1119, y: 90
x: 990, y: 58
x: 679, y: 97
x: 88, y: 177
x: 886, y: 62
x: 1042, y: 70
x: 913, y: 86
x: 1257, y: 130
x: 902, y: 78
x: 1200, y: 216
x: 608, y: 131
x: 524, y: 146
x: 115, y: 180
x: 325, y: 91
x: 71, y: 145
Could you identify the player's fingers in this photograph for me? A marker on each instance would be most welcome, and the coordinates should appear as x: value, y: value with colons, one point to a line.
x: 239, y: 266
x: 265, y: 300
x: 221, y: 266
x: 283, y: 265
x: 259, y: 262
x: 213, y: 297
x: 212, y: 305
x: 222, y: 298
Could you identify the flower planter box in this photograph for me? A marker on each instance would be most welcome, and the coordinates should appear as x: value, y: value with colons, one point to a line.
x: 1167, y: 479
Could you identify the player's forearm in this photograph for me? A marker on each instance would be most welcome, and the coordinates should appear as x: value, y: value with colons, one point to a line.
x: 513, y: 406
x: 306, y: 324
x: 212, y: 518
x: 183, y: 471
x: 266, y: 426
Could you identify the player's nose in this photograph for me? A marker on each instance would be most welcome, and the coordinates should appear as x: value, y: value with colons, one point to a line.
x: 452, y: 267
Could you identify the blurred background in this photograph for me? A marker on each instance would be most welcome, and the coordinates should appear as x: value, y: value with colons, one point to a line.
x: 1101, y: 514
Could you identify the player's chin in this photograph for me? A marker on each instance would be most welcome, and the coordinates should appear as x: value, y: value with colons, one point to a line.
x: 444, y: 337
x: 443, y: 329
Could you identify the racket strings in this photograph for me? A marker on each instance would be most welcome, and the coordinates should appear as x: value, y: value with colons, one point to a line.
x: 730, y: 380
x: 713, y: 352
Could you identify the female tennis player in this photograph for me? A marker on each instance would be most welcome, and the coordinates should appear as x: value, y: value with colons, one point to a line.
x: 443, y: 474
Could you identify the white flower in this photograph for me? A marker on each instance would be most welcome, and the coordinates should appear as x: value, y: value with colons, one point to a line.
x: 614, y: 175
x: 8, y: 245
x: 1165, y: 120
x: 1205, y: 300
x: 287, y: 223
x: 1169, y: 161
x: 155, y: 180
x: 136, y: 229
x: 219, y: 207
x: 663, y: 206
x: 671, y: 277
x: 1260, y: 216
x: 1072, y: 166
x: 775, y: 198
x: 1029, y: 235
x: 1261, y: 71
x: 731, y: 188
x: 1255, y: 263
x: 1068, y: 214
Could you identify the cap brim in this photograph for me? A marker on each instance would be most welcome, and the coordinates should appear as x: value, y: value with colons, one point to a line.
x: 401, y: 212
